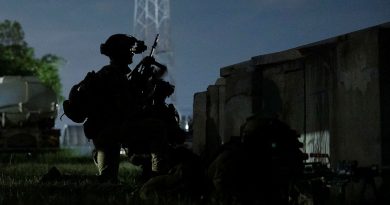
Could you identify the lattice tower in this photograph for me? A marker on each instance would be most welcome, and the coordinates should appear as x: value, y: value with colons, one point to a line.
x: 152, y: 17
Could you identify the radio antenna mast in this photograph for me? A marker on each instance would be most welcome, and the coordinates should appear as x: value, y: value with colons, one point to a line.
x: 152, y: 17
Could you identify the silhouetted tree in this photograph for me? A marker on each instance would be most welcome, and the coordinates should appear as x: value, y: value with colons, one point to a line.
x: 17, y: 58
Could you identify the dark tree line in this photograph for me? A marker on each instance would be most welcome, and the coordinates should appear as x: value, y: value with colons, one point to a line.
x: 17, y: 58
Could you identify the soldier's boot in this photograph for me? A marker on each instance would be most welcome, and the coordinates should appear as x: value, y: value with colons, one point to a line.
x: 107, y: 163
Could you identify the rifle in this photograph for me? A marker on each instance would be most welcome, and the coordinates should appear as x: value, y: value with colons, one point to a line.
x: 144, y: 69
x: 145, y: 73
x: 154, y: 46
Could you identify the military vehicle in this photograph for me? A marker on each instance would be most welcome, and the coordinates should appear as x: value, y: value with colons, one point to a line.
x: 28, y: 110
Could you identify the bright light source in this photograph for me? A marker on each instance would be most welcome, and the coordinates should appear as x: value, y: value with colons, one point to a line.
x: 123, y: 151
x: 316, y: 142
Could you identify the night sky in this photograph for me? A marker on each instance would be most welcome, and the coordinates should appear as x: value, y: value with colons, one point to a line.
x: 206, y: 34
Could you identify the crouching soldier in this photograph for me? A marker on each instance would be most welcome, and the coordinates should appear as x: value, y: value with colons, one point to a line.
x: 111, y: 103
x: 156, y: 126
x: 235, y: 174
x: 150, y: 136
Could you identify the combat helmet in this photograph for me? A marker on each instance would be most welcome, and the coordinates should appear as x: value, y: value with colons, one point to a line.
x: 119, y: 43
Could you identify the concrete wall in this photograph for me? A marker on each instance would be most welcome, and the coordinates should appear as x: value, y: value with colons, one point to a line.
x: 384, y: 75
x: 355, y: 128
x: 223, y: 108
x: 242, y: 92
x: 199, y: 122
x: 330, y: 91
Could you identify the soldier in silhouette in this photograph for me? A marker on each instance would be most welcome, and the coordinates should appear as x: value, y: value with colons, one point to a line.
x: 111, y: 103
x: 266, y: 140
x: 156, y: 126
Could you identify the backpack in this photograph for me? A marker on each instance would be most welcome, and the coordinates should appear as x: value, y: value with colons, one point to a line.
x: 76, y: 107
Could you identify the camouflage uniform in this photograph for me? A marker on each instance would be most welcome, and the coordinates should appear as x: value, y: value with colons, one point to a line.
x: 147, y: 135
x: 156, y: 126
x: 269, y: 141
x: 110, y: 102
x: 109, y: 110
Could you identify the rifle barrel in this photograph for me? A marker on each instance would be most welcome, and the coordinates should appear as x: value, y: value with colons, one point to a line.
x: 154, y: 46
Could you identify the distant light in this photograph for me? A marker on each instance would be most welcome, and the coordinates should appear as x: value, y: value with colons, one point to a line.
x: 54, y: 106
x: 123, y: 151
x: 187, y: 127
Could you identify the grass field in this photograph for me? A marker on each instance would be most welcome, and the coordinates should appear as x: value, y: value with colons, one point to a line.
x: 21, y: 174
x: 21, y: 184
